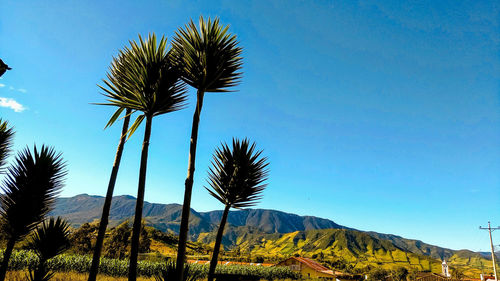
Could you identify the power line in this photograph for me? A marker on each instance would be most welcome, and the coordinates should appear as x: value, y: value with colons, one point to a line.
x: 492, y: 249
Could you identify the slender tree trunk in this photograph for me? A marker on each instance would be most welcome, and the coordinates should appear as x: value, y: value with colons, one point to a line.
x: 136, y: 230
x: 40, y: 271
x: 6, y: 258
x: 94, y: 269
x: 218, y: 240
x: 186, y: 207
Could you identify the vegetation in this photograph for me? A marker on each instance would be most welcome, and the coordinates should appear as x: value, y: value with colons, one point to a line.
x: 6, y: 136
x: 115, y: 80
x: 21, y: 260
x: 152, y: 86
x: 378, y: 274
x: 236, y: 179
x: 209, y: 58
x: 48, y: 241
x: 30, y: 188
x: 168, y: 273
x: 457, y: 273
x: 399, y: 273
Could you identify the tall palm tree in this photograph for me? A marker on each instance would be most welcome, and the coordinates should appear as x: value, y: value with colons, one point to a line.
x: 115, y: 84
x: 236, y: 179
x: 6, y: 136
x: 152, y: 86
x: 48, y: 241
x: 30, y: 189
x: 210, y: 60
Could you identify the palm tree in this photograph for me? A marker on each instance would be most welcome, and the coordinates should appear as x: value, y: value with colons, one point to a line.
x: 115, y: 83
x: 152, y: 86
x: 6, y: 136
x: 48, y: 241
x: 237, y: 180
x: 210, y: 61
x: 30, y: 188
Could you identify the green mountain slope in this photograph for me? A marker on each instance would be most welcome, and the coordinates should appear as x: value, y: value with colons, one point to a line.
x: 276, y: 235
x: 354, y: 249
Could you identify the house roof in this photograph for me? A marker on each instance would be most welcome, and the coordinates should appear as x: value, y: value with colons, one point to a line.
x: 313, y: 264
x: 231, y: 263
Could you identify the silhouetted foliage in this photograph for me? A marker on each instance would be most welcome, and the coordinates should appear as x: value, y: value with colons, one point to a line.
x: 3, y: 67
x: 48, y: 241
x: 168, y: 274
x: 30, y: 188
x: 6, y: 138
x: 209, y: 59
x: 115, y: 78
x: 236, y: 178
x: 152, y: 86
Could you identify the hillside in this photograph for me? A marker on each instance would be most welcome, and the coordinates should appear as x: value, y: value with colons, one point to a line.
x: 352, y: 248
x: 276, y: 234
x: 166, y: 217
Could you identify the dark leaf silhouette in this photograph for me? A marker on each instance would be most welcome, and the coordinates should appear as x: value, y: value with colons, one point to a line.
x: 209, y: 59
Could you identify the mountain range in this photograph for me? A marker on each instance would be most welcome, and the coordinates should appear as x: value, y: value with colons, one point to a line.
x: 264, y: 232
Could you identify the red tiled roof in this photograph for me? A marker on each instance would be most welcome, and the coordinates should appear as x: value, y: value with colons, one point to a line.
x: 312, y: 264
x: 231, y: 263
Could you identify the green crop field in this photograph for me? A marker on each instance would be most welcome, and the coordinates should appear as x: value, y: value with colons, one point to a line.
x: 22, y: 260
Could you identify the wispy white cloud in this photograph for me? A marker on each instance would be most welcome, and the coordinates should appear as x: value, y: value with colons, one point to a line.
x: 11, y: 88
x: 12, y: 104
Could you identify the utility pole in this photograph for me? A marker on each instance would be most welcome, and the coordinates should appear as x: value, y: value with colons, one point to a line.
x: 492, y: 249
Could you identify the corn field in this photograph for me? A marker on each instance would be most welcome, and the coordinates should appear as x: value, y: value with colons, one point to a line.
x: 22, y: 260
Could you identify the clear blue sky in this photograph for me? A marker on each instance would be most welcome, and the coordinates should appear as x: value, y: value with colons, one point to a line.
x: 382, y: 117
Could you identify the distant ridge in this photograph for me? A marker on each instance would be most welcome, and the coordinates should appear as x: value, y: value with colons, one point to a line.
x: 262, y: 231
x: 85, y: 208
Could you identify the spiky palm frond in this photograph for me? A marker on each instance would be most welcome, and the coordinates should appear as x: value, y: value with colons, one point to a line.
x: 168, y: 274
x: 50, y: 239
x: 6, y: 136
x: 116, y: 83
x: 143, y: 78
x: 30, y: 189
x: 237, y: 175
x: 209, y: 55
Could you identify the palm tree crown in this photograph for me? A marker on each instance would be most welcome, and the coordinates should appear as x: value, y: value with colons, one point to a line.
x: 209, y: 59
x: 209, y: 56
x: 237, y: 180
x: 148, y: 80
x: 236, y: 176
x: 30, y: 189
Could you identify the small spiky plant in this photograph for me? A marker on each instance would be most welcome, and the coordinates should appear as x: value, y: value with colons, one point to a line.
x: 30, y: 189
x: 169, y: 273
x: 49, y: 240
